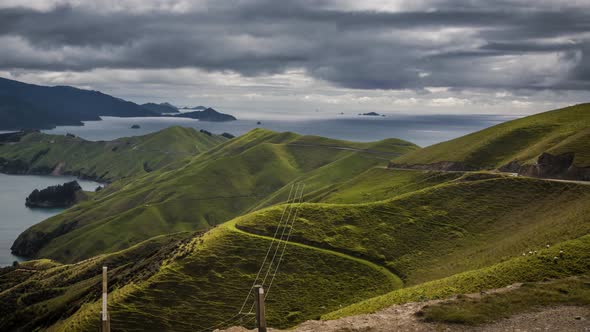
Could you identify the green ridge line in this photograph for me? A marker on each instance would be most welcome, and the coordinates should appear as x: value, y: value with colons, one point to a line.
x: 395, y: 280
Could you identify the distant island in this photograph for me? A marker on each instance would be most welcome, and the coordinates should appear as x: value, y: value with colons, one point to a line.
x: 59, y: 196
x: 370, y: 114
x: 161, y: 108
x: 135, y: 126
x: 208, y: 114
x: 196, y: 108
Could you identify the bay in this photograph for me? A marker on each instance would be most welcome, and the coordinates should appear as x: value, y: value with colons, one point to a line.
x: 15, y: 217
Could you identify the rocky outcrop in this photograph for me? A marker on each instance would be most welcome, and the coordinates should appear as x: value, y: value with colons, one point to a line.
x: 550, y: 166
x: 59, y: 196
x: 512, y: 167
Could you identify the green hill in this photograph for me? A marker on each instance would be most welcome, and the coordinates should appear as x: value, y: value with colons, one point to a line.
x: 465, y: 224
x: 563, y: 132
x: 367, y: 237
x: 462, y: 235
x: 38, y: 153
x: 200, y: 192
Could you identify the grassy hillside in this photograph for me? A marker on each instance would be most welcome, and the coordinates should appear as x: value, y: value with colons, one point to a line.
x: 556, y: 132
x: 446, y: 229
x: 463, y: 235
x: 531, y: 268
x: 473, y: 310
x: 367, y: 237
x: 39, y: 153
x: 378, y: 184
x: 37, y: 294
x: 188, y: 286
x: 203, y: 191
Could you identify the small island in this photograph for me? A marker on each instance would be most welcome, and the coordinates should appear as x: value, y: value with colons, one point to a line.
x: 135, y: 126
x: 196, y: 108
x: 59, y: 196
x: 162, y: 108
x: 208, y: 114
x: 370, y: 114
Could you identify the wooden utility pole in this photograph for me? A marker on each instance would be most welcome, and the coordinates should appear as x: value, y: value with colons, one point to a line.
x: 105, y: 320
x: 260, y: 314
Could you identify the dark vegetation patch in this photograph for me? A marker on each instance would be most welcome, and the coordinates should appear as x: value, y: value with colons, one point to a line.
x: 61, y: 195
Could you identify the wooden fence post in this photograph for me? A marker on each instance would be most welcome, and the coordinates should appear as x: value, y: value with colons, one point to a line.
x: 260, y: 314
x: 105, y: 320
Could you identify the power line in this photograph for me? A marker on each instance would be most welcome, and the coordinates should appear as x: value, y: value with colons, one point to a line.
x: 287, y: 206
x: 299, y: 198
x: 282, y: 235
x: 285, y: 245
x: 297, y: 195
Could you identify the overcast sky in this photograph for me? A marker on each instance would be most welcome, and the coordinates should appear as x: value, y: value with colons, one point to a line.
x: 396, y: 56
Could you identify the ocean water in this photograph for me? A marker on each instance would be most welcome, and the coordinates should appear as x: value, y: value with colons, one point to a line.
x: 422, y: 130
x: 15, y: 217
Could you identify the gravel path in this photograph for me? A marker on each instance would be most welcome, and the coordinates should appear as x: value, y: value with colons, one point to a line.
x: 402, y: 318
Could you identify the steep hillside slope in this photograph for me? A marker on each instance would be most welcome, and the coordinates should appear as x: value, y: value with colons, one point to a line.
x: 46, y: 107
x: 201, y: 192
x: 38, y: 153
x: 439, y: 231
x: 458, y: 236
x: 558, y: 142
x: 187, y: 286
x: 378, y: 184
x: 540, y: 266
x: 37, y: 294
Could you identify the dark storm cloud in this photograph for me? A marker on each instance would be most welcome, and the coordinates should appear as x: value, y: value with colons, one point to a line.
x: 474, y: 44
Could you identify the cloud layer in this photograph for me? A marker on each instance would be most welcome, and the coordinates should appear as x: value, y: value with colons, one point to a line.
x: 386, y: 45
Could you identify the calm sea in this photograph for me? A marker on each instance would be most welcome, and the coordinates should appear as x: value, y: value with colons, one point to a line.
x: 422, y: 130
x: 15, y: 217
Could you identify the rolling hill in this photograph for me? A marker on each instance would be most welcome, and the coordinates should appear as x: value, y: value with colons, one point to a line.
x: 29, y: 106
x: 103, y: 161
x: 549, y: 144
x: 203, y: 191
x: 461, y: 235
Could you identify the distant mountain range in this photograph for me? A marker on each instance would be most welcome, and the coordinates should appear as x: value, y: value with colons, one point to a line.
x: 29, y: 106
